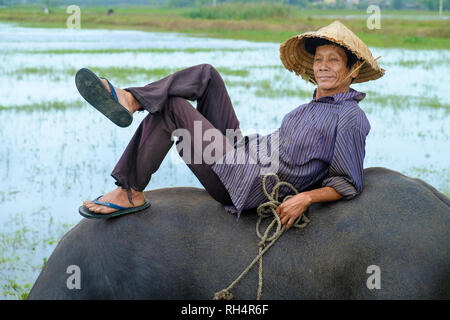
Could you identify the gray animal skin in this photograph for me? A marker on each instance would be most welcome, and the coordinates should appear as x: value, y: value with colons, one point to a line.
x: 186, y: 246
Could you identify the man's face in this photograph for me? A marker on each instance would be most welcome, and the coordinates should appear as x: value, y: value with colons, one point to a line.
x: 330, y: 67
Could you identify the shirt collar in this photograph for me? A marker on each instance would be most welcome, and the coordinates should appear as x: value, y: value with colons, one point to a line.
x: 352, y: 94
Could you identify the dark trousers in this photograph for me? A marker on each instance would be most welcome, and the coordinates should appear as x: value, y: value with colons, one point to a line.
x: 165, y: 100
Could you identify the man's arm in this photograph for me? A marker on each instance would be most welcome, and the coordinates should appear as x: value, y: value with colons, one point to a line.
x: 295, y: 206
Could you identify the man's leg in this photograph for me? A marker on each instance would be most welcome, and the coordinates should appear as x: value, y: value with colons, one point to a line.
x: 153, y: 140
x: 201, y: 83
x: 140, y: 160
x: 150, y: 145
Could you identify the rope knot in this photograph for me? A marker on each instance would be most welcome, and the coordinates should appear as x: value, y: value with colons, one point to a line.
x: 223, y: 295
x: 266, y: 210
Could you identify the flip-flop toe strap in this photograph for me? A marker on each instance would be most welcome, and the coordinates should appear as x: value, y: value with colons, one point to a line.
x: 114, y: 94
x: 108, y: 204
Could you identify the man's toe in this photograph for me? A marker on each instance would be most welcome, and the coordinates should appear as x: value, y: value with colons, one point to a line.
x: 88, y: 204
x: 106, y: 85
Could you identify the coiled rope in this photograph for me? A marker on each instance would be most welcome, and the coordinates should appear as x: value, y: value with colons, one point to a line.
x: 264, y: 211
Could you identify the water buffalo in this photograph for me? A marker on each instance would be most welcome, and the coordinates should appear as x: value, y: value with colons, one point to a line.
x: 390, y: 242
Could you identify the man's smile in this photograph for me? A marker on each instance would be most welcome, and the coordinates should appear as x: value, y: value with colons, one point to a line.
x: 325, y: 77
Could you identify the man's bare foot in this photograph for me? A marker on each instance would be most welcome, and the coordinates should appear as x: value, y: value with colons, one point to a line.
x: 118, y: 197
x: 125, y: 98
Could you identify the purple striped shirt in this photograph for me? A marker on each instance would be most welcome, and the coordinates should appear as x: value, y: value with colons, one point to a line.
x: 321, y: 143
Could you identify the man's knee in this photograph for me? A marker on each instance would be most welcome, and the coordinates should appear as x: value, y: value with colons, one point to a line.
x: 207, y: 66
x: 210, y: 70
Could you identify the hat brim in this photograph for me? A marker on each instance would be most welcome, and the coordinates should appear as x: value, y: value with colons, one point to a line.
x: 296, y: 58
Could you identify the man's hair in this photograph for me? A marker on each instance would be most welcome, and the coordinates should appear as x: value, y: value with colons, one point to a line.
x: 311, y: 45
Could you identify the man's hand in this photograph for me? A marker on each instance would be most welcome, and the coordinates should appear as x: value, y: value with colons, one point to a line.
x: 295, y: 206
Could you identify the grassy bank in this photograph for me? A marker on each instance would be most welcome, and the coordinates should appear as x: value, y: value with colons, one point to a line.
x: 401, y: 29
x: 24, y: 247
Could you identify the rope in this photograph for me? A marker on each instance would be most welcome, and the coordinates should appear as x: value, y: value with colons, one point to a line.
x: 264, y: 211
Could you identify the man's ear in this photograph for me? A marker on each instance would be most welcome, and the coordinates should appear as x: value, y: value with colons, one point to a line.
x: 355, y: 65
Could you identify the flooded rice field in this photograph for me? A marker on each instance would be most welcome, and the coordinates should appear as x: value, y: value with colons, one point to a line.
x: 57, y: 151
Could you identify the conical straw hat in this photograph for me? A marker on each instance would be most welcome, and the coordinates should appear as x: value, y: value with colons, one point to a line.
x: 295, y: 57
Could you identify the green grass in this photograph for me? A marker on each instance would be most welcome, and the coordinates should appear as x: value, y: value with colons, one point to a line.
x: 44, y: 106
x: 423, y: 172
x: 266, y: 88
x: 118, y: 75
x: 21, y: 247
x: 270, y: 23
x: 241, y: 11
x: 138, y: 50
x: 122, y: 74
x: 401, y: 101
x: 423, y: 64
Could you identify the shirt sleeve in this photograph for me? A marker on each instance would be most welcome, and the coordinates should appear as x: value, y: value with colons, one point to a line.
x: 345, y: 174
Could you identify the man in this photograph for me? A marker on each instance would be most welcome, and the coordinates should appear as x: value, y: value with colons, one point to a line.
x: 321, y: 144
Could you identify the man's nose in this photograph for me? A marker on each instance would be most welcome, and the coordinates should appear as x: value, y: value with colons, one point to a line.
x: 323, y: 65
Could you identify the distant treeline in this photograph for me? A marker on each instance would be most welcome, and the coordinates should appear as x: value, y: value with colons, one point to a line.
x: 307, y: 4
x: 322, y: 4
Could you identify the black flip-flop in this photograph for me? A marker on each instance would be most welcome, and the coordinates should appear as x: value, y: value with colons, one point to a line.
x: 85, y: 212
x: 93, y: 91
